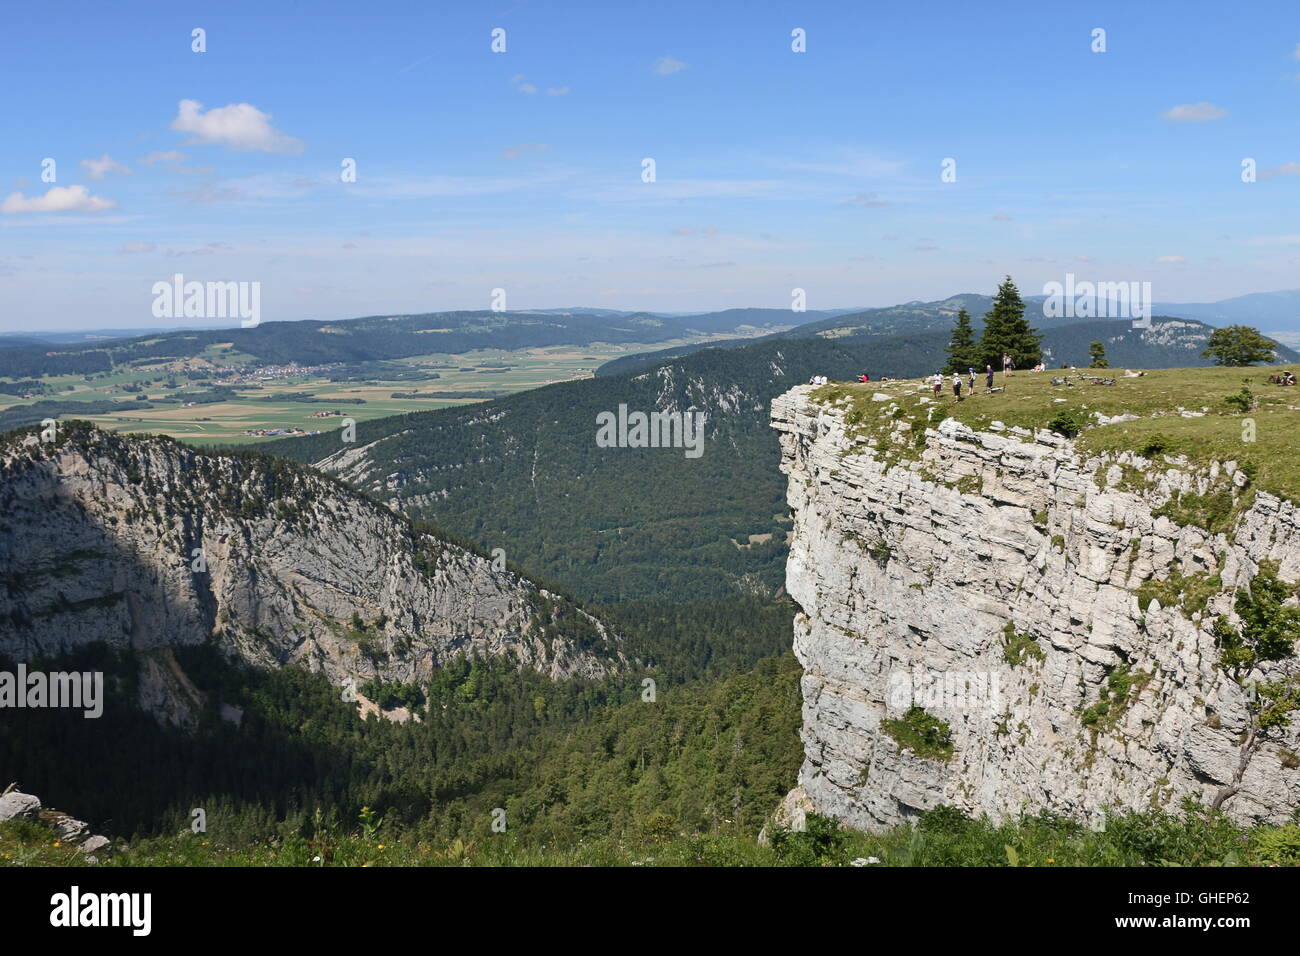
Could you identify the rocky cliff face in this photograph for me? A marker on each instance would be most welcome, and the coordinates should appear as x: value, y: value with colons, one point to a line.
x: 1000, y: 582
x: 148, y: 544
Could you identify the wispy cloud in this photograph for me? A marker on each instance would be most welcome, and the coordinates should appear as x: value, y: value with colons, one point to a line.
x: 1194, y: 113
x: 1286, y: 169
x: 97, y: 169
x: 665, y: 66
x: 164, y: 156
x: 865, y: 200
x: 850, y: 164
x: 525, y: 149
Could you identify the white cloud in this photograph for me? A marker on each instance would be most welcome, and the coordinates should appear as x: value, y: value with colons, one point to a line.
x: 239, y: 126
x: 666, y: 65
x: 522, y: 85
x: 1194, y: 113
x: 58, y: 199
x: 99, y: 168
x: 130, y: 247
x: 1170, y: 259
x: 1295, y: 54
x: 557, y: 91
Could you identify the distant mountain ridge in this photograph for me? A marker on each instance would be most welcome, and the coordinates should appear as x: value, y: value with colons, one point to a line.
x: 381, y: 338
x: 1178, y: 343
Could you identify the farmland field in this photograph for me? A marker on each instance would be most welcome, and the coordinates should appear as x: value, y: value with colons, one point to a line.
x: 271, y: 399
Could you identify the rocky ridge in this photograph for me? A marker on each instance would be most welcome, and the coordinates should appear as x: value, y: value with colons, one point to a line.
x: 148, y: 544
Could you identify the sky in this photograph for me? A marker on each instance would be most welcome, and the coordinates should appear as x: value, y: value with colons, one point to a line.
x: 522, y: 170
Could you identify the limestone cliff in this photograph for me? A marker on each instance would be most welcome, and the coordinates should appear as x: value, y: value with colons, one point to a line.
x: 1009, y: 585
x: 149, y: 544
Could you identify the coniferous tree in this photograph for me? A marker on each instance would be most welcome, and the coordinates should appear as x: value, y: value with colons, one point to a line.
x: 963, y: 351
x: 1097, y: 352
x: 1006, y: 332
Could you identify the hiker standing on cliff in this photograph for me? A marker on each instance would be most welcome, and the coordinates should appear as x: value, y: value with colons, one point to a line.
x: 1007, y: 364
x: 988, y: 372
x: 970, y: 382
x: 956, y: 385
x: 937, y: 382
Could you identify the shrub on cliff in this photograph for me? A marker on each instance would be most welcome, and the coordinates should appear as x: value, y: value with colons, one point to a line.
x: 924, y: 734
x: 1068, y: 423
x: 1267, y: 633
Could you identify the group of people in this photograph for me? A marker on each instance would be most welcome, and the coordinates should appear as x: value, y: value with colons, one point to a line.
x: 937, y: 381
x: 1282, y: 378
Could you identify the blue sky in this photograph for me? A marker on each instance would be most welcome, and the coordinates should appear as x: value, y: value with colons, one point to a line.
x: 522, y: 170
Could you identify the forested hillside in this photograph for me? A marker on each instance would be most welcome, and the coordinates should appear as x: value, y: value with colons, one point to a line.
x: 525, y: 474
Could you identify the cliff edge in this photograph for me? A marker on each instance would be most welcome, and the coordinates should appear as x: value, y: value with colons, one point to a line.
x: 1003, y: 619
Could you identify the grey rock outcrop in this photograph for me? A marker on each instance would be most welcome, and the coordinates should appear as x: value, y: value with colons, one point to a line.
x: 149, y: 544
x: 906, y: 585
x: 19, y: 806
x: 15, y: 805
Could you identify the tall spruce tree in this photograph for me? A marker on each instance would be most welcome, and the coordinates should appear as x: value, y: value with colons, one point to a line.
x: 963, y: 352
x: 1007, y: 333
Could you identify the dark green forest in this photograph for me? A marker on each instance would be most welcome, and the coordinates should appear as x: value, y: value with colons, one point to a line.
x: 567, y: 761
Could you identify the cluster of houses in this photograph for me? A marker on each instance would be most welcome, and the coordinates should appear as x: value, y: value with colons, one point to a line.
x: 277, y: 432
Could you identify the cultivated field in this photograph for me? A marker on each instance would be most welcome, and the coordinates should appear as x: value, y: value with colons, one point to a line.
x: 267, y: 399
